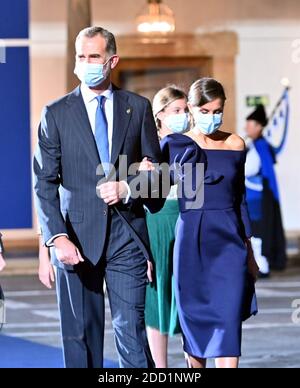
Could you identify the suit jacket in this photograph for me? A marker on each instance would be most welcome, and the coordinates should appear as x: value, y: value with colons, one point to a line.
x: 65, y: 165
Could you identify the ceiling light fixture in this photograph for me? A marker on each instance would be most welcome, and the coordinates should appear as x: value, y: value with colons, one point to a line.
x: 155, y: 18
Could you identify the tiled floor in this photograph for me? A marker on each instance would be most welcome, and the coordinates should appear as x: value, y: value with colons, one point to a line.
x: 272, y: 339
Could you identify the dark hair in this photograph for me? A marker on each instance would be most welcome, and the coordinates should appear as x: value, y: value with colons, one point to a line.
x: 91, y: 32
x: 206, y: 90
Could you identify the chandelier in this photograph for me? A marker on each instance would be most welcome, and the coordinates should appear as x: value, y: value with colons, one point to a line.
x: 155, y: 18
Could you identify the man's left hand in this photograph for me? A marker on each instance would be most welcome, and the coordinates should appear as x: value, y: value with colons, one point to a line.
x: 112, y: 192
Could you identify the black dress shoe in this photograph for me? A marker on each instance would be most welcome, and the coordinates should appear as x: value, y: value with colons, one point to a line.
x: 262, y: 275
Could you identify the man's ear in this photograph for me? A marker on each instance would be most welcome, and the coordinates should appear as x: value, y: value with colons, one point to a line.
x: 114, y: 61
x: 258, y: 127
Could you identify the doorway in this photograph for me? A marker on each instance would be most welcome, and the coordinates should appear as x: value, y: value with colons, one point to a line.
x: 147, y: 76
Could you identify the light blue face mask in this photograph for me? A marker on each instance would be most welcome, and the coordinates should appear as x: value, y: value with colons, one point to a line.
x: 177, y: 123
x: 92, y: 74
x: 208, y: 123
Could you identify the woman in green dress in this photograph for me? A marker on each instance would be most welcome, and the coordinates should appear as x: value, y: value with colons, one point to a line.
x: 171, y: 114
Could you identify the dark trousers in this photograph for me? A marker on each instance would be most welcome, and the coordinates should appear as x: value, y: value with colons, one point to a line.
x: 82, y: 311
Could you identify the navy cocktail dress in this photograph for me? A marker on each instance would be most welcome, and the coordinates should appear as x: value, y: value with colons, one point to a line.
x: 214, y: 291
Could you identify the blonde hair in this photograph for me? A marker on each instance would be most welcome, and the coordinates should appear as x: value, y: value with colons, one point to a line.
x: 165, y: 97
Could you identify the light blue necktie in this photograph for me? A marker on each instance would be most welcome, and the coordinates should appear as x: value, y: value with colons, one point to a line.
x: 101, y: 134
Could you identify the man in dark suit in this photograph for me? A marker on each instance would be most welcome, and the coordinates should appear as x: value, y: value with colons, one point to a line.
x: 97, y: 234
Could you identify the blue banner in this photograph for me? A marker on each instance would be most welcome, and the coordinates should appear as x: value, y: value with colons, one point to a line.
x: 14, y: 19
x: 15, y: 141
x: 277, y: 129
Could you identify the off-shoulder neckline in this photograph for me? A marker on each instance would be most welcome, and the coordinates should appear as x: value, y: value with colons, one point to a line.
x: 206, y: 149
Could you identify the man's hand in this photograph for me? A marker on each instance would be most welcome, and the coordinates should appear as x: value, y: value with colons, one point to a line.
x: 66, y: 251
x: 46, y: 272
x: 112, y: 192
x: 2, y: 262
x: 146, y: 165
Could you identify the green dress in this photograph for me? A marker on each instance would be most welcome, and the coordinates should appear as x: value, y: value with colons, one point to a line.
x: 161, y: 311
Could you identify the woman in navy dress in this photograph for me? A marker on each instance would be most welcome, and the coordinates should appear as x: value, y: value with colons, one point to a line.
x: 214, y: 267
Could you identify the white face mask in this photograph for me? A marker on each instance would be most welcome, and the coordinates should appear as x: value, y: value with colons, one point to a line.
x: 177, y: 123
x: 92, y: 74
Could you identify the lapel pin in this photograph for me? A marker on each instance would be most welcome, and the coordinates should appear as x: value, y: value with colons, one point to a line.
x: 128, y: 111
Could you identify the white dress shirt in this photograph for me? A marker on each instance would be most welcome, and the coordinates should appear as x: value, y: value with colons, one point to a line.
x: 91, y: 105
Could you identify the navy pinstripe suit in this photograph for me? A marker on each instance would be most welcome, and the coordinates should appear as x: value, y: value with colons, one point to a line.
x: 114, y: 242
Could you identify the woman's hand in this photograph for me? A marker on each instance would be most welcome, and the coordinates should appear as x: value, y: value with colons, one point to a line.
x: 46, y: 272
x: 150, y: 271
x: 146, y: 165
x: 2, y: 262
x: 253, y: 268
